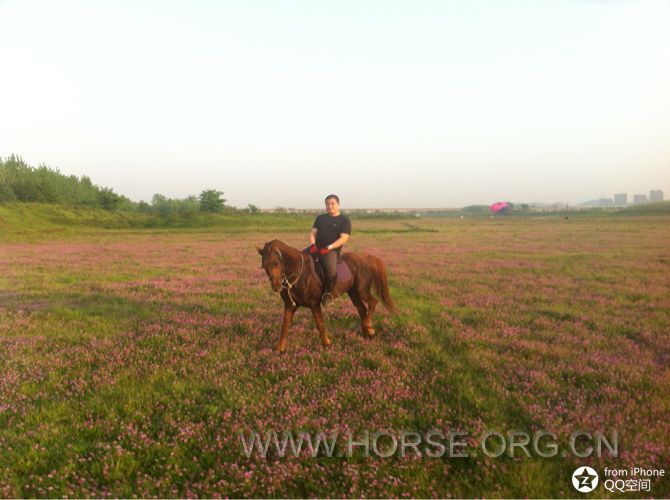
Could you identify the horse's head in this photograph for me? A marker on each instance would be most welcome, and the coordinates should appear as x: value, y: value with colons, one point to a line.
x: 273, y: 263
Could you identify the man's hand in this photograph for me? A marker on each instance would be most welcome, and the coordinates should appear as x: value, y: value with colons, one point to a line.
x: 324, y: 250
x: 313, y: 249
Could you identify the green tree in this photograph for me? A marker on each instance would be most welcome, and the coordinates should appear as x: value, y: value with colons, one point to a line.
x: 108, y: 199
x: 21, y: 182
x: 143, y: 206
x: 188, y: 205
x: 160, y: 204
x: 211, y: 201
x: 6, y: 191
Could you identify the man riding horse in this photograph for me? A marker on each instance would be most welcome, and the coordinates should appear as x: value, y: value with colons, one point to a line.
x: 291, y: 275
x: 329, y: 233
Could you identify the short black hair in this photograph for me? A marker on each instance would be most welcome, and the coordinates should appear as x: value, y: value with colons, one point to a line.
x: 337, y: 198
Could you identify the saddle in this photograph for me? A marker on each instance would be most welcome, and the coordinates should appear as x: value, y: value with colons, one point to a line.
x: 343, y: 271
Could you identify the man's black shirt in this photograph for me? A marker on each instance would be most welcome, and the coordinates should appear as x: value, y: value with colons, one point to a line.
x: 329, y: 229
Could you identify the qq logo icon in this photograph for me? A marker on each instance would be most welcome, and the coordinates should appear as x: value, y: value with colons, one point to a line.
x: 585, y: 479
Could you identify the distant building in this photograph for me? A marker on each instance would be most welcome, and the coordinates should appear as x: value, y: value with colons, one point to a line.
x: 639, y: 198
x: 605, y: 202
x: 621, y: 199
x: 655, y: 195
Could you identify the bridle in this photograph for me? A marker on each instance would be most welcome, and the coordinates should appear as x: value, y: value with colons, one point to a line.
x: 285, y: 281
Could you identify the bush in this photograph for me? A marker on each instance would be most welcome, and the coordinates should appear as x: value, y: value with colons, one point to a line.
x: 21, y: 182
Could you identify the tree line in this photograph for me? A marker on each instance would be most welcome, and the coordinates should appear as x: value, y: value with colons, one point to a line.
x: 20, y: 182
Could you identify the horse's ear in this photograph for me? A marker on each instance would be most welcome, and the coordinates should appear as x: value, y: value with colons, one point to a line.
x: 259, y: 250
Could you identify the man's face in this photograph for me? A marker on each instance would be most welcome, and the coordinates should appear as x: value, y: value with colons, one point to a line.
x: 332, y: 206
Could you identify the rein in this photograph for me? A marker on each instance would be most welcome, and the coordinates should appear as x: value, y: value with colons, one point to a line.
x: 285, y: 282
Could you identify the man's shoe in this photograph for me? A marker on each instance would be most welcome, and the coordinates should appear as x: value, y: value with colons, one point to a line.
x: 329, y: 293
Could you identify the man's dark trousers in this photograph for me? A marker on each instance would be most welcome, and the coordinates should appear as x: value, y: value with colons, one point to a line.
x: 329, y: 265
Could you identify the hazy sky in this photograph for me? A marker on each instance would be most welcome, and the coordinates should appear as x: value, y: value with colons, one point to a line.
x: 387, y: 103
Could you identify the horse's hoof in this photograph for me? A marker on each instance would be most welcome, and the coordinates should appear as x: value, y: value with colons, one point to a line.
x: 370, y: 332
x: 280, y: 348
x: 327, y: 343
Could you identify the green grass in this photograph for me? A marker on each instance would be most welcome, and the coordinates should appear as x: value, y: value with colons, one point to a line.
x: 35, y: 222
x: 132, y: 358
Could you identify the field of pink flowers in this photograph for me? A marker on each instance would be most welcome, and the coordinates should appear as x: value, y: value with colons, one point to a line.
x: 131, y: 362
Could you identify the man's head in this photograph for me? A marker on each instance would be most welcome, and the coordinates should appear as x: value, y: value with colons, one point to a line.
x: 333, y: 204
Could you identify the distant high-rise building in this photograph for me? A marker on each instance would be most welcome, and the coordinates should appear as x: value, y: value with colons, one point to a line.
x: 605, y: 202
x: 639, y: 198
x: 621, y: 199
x: 655, y: 195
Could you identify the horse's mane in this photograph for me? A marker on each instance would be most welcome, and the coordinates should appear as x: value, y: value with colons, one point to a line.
x: 282, y: 247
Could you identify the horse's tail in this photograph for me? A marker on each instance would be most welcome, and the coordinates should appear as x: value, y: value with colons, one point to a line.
x: 380, y: 282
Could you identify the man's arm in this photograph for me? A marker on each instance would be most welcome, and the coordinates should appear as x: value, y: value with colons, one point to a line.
x: 312, y: 236
x: 344, y: 237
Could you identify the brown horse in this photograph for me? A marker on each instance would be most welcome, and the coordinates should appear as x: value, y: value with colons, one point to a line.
x: 292, y: 275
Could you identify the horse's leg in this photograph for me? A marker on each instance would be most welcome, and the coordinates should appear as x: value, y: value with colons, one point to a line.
x: 355, y: 296
x: 318, y: 318
x: 371, y: 303
x: 289, y: 311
